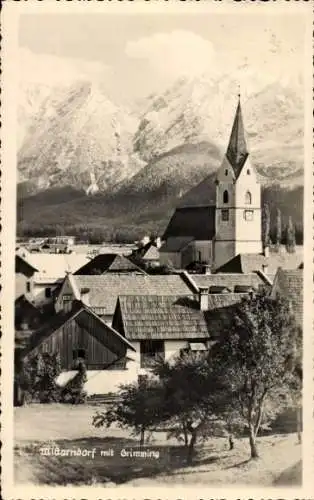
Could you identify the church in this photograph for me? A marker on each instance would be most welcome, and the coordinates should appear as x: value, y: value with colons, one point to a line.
x: 215, y: 234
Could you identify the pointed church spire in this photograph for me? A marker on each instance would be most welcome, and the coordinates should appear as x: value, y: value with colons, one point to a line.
x: 237, y: 151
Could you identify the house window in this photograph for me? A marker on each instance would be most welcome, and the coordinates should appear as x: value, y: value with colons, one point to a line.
x: 150, y: 351
x: 47, y: 293
x: 79, y: 354
x: 226, y: 197
x: 225, y: 215
x: 28, y: 286
x: 226, y: 172
x: 248, y: 198
x: 248, y: 215
x: 66, y: 297
x: 248, y: 171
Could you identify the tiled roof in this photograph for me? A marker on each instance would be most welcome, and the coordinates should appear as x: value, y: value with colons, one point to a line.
x: 228, y: 280
x: 108, y: 262
x: 196, y: 222
x: 175, y: 244
x: 161, y: 317
x: 56, y: 265
x: 24, y: 259
x: 164, y: 317
x: 289, y: 283
x: 147, y: 252
x: 249, y: 262
x: 105, y: 289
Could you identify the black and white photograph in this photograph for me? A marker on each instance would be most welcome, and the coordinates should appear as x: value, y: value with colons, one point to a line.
x: 159, y: 319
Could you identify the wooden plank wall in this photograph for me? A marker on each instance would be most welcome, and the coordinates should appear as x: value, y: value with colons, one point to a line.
x: 72, y: 336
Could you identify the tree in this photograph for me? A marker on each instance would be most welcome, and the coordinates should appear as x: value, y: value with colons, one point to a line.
x: 256, y: 355
x: 194, y: 401
x: 278, y: 235
x: 138, y: 408
x: 290, y: 236
x: 266, y: 225
x: 74, y: 391
x: 180, y: 395
x: 36, y: 377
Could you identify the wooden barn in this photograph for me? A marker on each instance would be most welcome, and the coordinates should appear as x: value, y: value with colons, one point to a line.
x: 79, y: 334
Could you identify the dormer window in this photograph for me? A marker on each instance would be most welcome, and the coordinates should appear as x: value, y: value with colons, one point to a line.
x: 248, y: 198
x: 225, y: 197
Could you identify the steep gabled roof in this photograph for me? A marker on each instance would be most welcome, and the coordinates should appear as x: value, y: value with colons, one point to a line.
x: 245, y: 263
x: 237, y: 151
x: 52, y: 267
x: 110, y: 338
x: 165, y: 318
x: 249, y: 262
x: 289, y: 283
x: 108, y: 262
x: 162, y: 317
x: 102, y: 291
x: 23, y: 259
x: 196, y: 222
x: 147, y: 252
x: 228, y: 280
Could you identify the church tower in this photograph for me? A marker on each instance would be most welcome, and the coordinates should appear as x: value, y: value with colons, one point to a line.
x: 238, y: 200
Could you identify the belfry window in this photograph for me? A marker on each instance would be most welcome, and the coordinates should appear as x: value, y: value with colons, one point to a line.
x: 226, y: 197
x: 248, y: 198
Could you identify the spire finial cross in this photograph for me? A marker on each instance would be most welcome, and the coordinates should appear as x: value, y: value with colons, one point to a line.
x: 239, y: 91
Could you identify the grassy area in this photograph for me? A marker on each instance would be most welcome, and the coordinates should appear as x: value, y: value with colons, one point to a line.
x: 69, y: 428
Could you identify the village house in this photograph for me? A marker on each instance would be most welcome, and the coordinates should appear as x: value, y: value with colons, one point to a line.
x: 143, y: 327
x: 214, y: 234
x: 100, y: 292
x: 148, y: 254
x: 124, y: 322
x: 40, y: 275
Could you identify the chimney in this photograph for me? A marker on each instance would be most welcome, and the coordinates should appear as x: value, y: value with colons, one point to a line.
x: 266, y: 251
x: 207, y: 269
x: 203, y: 298
x: 158, y: 242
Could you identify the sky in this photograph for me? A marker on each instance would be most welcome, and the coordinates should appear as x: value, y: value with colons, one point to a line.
x: 137, y: 55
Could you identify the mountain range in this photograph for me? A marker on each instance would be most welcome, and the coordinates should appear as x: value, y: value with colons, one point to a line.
x: 99, y: 163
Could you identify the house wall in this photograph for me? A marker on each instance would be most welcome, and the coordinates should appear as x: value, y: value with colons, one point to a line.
x: 202, y: 251
x: 39, y: 294
x: 66, y: 289
x: 171, y: 258
x: 106, y: 381
x: 20, y: 284
x: 173, y: 347
x: 23, y: 275
x: 223, y: 252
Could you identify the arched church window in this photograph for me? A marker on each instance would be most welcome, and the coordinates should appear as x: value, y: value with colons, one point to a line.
x: 248, y: 198
x: 248, y: 171
x: 226, y: 171
x: 226, y: 197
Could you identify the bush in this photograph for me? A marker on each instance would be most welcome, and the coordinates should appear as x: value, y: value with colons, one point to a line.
x: 73, y: 392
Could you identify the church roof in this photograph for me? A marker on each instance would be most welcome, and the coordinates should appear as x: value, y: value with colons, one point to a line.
x: 237, y: 151
x: 195, y: 222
